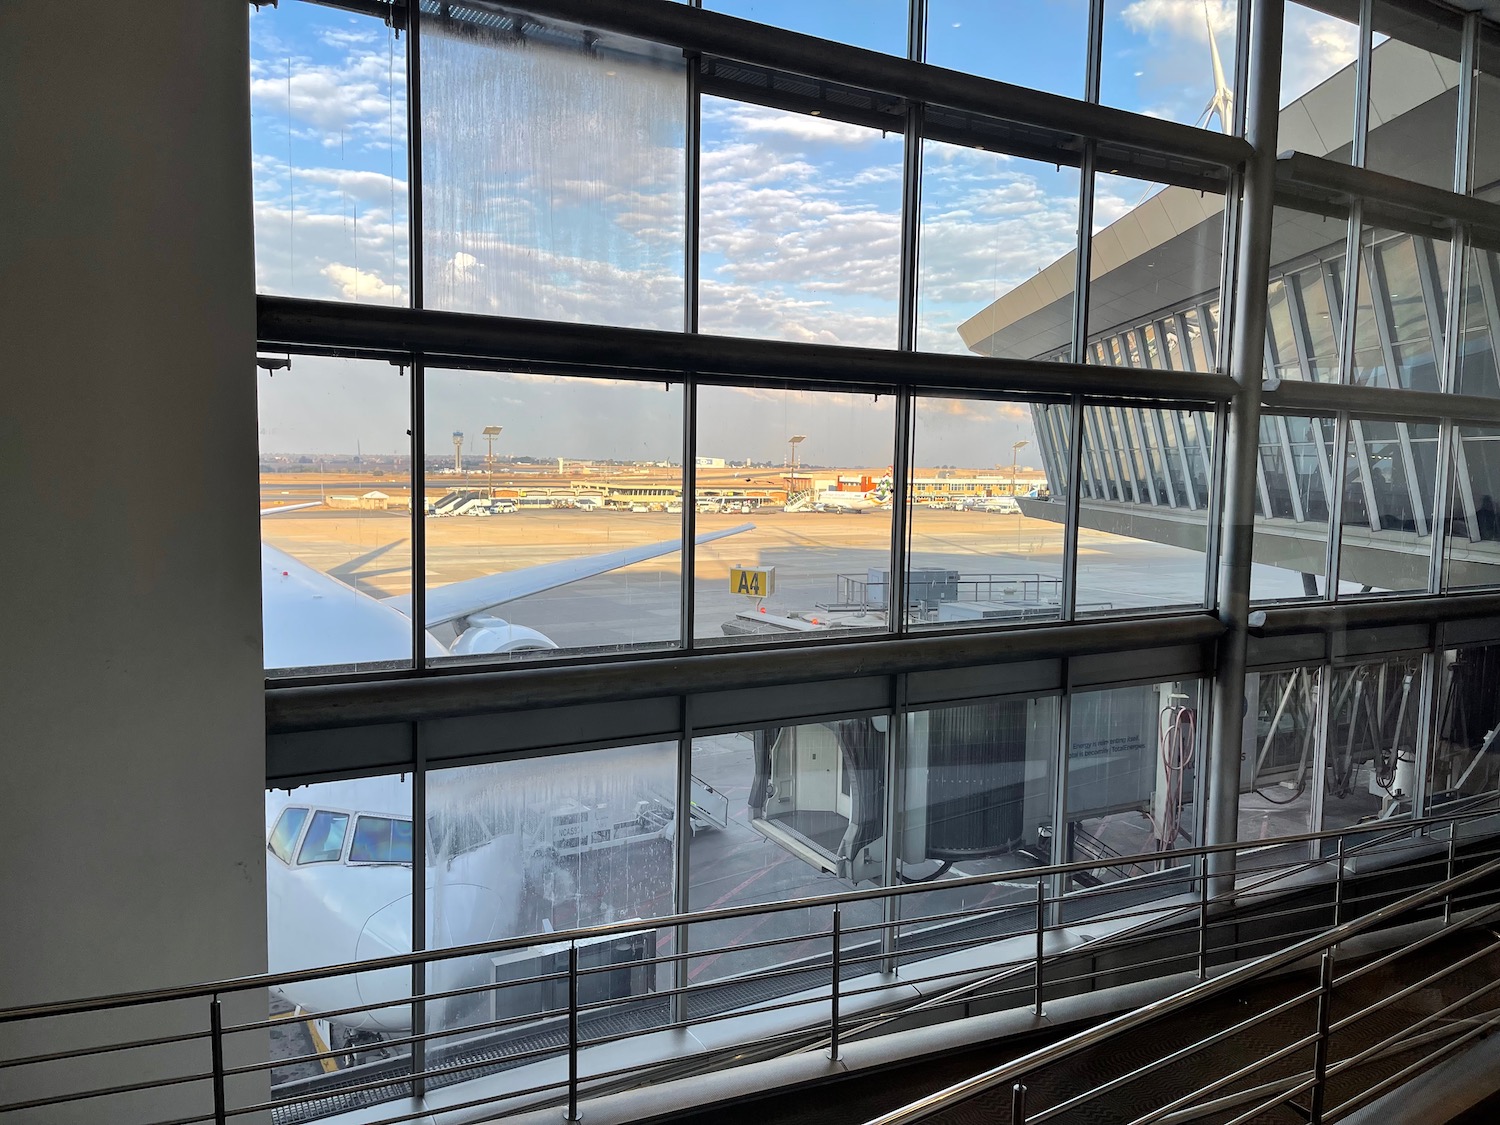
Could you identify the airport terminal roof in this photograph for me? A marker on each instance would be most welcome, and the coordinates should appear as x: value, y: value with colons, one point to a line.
x: 1166, y: 251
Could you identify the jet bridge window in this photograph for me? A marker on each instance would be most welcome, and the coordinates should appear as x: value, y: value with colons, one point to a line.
x: 325, y: 838
x: 381, y: 839
x: 284, y: 835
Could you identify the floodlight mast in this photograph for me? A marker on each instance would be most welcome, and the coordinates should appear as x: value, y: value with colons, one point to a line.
x: 794, y: 441
x: 1015, y: 449
x: 490, y: 433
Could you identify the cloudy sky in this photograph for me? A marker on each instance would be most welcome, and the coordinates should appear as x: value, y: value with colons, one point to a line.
x: 555, y: 189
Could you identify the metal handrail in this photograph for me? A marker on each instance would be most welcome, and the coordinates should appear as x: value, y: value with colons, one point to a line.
x: 1234, y: 978
x: 668, y: 921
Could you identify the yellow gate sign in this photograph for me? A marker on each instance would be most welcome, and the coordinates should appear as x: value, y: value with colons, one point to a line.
x: 758, y: 581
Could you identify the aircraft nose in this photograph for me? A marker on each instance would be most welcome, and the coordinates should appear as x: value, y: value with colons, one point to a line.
x: 387, y: 933
x: 458, y: 914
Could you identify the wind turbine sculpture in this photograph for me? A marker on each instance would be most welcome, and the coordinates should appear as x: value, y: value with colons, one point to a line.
x: 1222, y: 101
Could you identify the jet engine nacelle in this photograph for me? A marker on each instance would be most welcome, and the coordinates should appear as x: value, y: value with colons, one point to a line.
x: 485, y: 634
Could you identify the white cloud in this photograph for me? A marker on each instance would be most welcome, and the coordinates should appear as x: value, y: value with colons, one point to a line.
x: 1317, y: 47
x: 357, y: 284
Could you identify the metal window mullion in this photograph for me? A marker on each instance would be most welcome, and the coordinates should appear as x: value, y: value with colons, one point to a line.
x: 1464, y: 483
x: 1293, y: 483
x: 1427, y: 720
x: 688, y: 590
x: 1432, y: 287
x: 901, y: 471
x: 1174, y: 419
x: 682, y: 872
x: 1205, y: 448
x: 1336, y: 505
x: 1260, y: 484
x: 1442, y: 500
x: 1367, y: 478
x: 1154, y: 414
x: 1420, y: 514
x: 1322, y: 718
x: 1138, y: 427
x: 1349, y: 301
x: 1070, y: 517
x: 1362, y: 84
x: 419, y: 936
x: 895, y: 756
x: 1454, y: 311
x: 1214, y: 540
x: 1301, y: 338
x: 1094, y: 51
x: 1385, y: 315
x: 1211, y: 342
x: 416, y: 269
x: 1468, y: 115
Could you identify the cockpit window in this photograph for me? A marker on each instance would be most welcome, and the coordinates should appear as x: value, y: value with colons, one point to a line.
x: 284, y: 835
x: 381, y: 839
x: 325, y: 838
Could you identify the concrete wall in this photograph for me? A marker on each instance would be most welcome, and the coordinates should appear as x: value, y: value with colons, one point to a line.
x: 131, y: 715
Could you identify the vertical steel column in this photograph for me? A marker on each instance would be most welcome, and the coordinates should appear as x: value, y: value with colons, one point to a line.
x: 1452, y: 869
x: 416, y: 269
x: 895, y: 756
x: 1040, y: 978
x: 1242, y: 436
x: 835, y: 986
x: 692, y: 225
x: 1362, y: 85
x: 572, y: 1111
x: 1335, y: 539
x: 418, y: 908
x: 906, y: 330
x: 681, y: 854
x: 216, y: 1049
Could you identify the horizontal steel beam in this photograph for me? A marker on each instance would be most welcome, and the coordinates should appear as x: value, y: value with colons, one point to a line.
x: 1291, y: 396
x: 1390, y: 194
x: 442, y: 695
x: 1340, y: 617
x: 697, y: 31
x: 289, y: 322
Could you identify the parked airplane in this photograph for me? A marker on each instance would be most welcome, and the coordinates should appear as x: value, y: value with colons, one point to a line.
x: 338, y: 869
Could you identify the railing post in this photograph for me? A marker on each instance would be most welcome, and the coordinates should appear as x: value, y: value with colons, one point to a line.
x: 1203, y: 918
x: 216, y: 1046
x: 572, y: 1114
x: 835, y: 986
x: 1018, y: 1104
x: 1452, y: 867
x: 1320, y: 1048
x: 1041, y: 933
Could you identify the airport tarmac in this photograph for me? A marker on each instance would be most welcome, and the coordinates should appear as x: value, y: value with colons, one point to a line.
x: 640, y: 605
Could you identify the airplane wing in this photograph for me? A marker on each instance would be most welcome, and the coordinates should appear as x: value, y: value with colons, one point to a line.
x: 291, y: 507
x: 459, y: 599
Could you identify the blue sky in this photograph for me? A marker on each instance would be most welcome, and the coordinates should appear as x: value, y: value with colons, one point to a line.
x: 555, y: 189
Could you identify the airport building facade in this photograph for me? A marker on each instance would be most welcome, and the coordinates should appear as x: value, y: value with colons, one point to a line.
x: 1292, y: 474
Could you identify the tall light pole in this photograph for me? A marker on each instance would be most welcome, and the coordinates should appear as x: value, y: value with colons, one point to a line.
x: 1015, y: 449
x: 794, y: 441
x: 490, y: 434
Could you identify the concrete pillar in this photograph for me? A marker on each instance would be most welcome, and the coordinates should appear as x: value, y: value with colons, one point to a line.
x: 131, y: 713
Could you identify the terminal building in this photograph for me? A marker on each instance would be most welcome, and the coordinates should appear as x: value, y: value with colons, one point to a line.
x: 264, y: 774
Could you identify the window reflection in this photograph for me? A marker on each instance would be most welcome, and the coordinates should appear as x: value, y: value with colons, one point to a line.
x: 527, y: 214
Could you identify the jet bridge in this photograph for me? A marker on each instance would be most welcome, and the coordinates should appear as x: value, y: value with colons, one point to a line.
x: 975, y: 780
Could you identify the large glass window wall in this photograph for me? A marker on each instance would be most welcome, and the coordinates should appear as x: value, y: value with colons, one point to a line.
x: 630, y: 494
